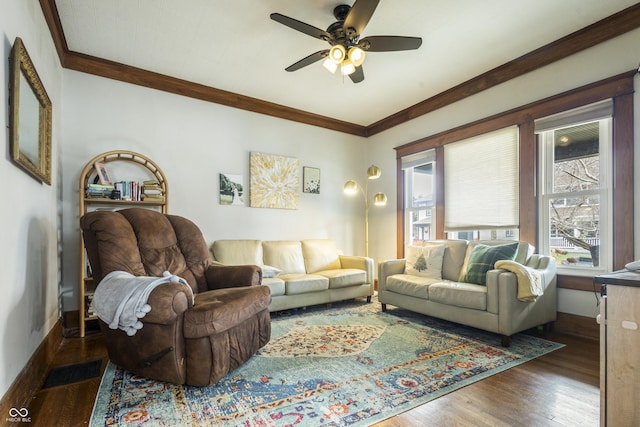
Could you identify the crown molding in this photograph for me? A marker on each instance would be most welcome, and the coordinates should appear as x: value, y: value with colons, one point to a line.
x: 603, y: 30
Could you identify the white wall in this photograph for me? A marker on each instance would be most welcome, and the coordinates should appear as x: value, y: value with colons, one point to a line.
x: 192, y: 142
x: 600, y: 62
x: 29, y: 216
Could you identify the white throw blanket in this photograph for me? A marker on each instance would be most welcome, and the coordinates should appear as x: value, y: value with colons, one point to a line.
x: 120, y: 299
x: 529, y: 279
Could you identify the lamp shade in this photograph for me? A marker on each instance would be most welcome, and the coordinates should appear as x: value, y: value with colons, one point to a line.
x: 337, y: 53
x: 347, y: 67
x: 356, y: 55
x: 330, y: 65
x: 373, y: 172
x: 350, y: 187
x: 380, y: 199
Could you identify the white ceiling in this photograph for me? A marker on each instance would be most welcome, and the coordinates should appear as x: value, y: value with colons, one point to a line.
x: 235, y: 46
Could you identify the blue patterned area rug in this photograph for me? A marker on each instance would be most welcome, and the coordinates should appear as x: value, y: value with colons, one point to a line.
x: 349, y: 365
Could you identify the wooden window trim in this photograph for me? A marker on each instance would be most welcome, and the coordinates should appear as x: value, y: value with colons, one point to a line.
x: 620, y: 89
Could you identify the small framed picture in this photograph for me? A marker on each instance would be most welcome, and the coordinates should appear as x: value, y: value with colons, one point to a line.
x: 231, y: 189
x: 103, y: 173
x: 310, y: 180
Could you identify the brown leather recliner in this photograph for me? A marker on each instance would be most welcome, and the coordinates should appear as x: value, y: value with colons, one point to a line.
x: 180, y: 342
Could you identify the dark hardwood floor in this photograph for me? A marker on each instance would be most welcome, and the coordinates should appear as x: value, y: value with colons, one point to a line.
x: 557, y: 389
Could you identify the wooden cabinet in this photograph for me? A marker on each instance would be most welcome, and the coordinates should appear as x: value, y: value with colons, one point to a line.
x: 132, y: 162
x: 619, y: 348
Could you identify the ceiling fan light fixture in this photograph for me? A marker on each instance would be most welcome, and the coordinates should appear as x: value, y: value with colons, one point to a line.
x: 330, y: 65
x: 337, y: 53
x: 356, y: 55
x: 347, y: 67
x: 347, y: 48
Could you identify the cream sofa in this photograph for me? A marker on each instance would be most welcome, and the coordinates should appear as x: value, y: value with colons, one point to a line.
x: 494, y: 306
x: 301, y: 273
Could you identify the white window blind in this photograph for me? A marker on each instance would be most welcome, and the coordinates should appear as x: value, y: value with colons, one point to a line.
x: 482, y: 182
x: 418, y: 159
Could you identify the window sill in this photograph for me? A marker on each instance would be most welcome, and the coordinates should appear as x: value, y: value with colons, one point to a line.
x: 578, y: 283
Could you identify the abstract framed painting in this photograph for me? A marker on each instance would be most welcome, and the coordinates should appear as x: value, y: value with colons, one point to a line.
x: 275, y: 181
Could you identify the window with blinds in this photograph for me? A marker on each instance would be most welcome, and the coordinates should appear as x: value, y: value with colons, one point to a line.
x: 482, y: 184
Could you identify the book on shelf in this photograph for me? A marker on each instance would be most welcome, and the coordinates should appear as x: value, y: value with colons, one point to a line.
x: 99, y: 190
x: 129, y: 190
x: 152, y: 191
x: 153, y: 197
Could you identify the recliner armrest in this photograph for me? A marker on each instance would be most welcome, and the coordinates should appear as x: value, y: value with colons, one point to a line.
x: 232, y: 276
x: 168, y: 302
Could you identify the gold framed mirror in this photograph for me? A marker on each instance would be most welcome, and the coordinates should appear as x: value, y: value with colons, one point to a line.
x: 30, y: 116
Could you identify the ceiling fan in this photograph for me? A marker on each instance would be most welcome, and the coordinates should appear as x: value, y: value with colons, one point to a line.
x: 347, y: 50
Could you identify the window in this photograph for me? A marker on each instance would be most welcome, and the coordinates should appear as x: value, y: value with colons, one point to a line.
x: 575, y: 191
x: 482, y: 186
x: 611, y: 223
x: 419, y: 173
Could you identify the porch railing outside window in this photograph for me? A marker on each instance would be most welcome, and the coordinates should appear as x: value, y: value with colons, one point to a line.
x: 575, y: 191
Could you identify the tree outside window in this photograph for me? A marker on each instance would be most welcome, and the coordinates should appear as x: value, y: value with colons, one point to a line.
x: 574, y: 195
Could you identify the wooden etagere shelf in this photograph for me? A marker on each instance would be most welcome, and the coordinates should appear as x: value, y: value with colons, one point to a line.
x: 87, y: 285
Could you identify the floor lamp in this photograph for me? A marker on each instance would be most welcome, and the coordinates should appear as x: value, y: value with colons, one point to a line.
x: 380, y: 199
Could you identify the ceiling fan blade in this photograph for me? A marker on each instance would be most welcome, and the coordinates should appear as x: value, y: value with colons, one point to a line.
x: 359, y: 16
x: 358, y: 75
x: 314, y: 57
x: 389, y: 43
x: 301, y: 26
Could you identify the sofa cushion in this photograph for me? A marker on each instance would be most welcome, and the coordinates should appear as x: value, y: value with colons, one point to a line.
x: 344, y: 277
x: 425, y: 261
x: 525, y: 250
x: 275, y: 285
x: 454, y: 255
x: 465, y: 295
x: 295, y: 284
x: 285, y: 255
x: 407, y: 284
x: 482, y: 258
x: 237, y: 252
x: 320, y: 254
x: 455, y: 251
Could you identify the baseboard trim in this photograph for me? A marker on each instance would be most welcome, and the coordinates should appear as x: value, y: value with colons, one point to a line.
x: 34, y: 373
x: 573, y: 324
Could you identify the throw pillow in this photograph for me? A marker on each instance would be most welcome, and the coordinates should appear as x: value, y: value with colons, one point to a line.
x: 425, y: 261
x: 483, y: 258
x: 269, y: 271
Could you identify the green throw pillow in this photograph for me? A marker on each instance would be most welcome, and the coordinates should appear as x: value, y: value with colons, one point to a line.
x: 483, y: 259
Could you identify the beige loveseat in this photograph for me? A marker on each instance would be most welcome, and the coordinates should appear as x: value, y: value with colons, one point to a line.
x: 518, y: 295
x: 301, y: 273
